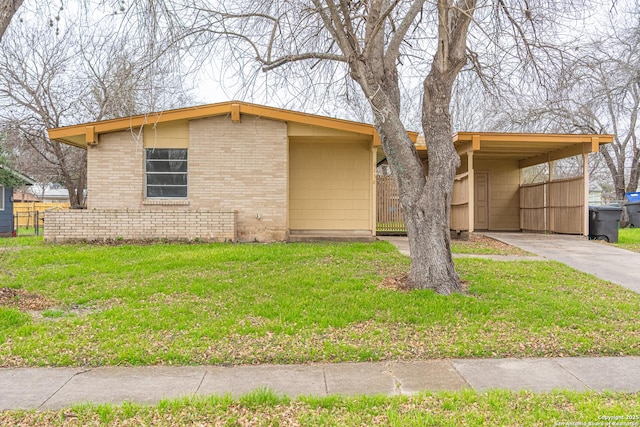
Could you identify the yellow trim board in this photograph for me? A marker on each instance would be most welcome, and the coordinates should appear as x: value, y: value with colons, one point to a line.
x: 78, y: 136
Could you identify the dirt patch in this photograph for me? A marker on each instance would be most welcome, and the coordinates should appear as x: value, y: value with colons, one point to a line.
x: 482, y: 242
x: 399, y: 283
x: 23, y: 300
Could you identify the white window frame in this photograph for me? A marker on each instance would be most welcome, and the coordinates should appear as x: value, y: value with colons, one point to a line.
x: 147, y: 173
x: 1, y: 197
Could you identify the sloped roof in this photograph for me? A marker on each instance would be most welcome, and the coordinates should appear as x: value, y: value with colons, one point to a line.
x: 19, y: 175
x: 85, y: 134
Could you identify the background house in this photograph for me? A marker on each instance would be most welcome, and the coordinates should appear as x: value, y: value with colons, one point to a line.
x: 7, y: 226
x: 229, y: 171
x: 50, y: 193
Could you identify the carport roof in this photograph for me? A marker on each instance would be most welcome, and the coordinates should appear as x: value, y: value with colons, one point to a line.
x: 528, y: 148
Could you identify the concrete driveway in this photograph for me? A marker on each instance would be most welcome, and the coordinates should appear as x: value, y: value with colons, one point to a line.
x: 607, y: 262
x: 591, y: 256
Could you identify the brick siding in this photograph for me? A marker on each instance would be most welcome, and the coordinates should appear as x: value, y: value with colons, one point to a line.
x: 233, y: 167
x: 121, y: 224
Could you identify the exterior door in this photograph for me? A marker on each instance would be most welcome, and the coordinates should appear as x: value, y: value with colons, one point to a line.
x: 481, y: 200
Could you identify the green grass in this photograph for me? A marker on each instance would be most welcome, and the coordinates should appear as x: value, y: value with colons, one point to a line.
x: 629, y: 238
x: 295, y: 303
x: 264, y: 408
x: 21, y: 241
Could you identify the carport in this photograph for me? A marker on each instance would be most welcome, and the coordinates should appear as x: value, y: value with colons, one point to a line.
x: 489, y: 193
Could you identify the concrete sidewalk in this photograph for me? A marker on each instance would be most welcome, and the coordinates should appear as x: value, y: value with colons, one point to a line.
x: 51, y: 388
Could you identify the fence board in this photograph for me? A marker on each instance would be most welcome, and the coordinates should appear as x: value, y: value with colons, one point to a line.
x: 566, y: 204
x: 533, y: 212
x: 29, y: 216
x: 460, y: 203
x: 388, y: 209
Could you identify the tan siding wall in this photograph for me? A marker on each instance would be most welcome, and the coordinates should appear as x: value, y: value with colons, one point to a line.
x: 167, y: 135
x: 330, y: 186
x: 111, y: 224
x: 115, y: 175
x: 241, y: 167
x: 504, y: 185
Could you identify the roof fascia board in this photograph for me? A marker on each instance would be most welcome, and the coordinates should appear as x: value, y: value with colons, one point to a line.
x: 573, y: 150
x: 530, y: 137
x: 65, y: 133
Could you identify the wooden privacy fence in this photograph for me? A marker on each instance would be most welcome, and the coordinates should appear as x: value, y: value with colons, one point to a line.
x: 460, y: 203
x: 28, y: 217
x: 388, y: 210
x: 533, y: 207
x: 555, y: 206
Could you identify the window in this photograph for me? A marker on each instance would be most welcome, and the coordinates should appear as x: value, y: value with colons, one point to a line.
x: 1, y: 198
x: 166, y: 173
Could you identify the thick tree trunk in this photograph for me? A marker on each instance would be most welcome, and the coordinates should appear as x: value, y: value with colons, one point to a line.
x: 8, y: 8
x: 426, y: 204
x: 428, y: 219
x: 617, y: 173
x: 634, y: 175
x: 426, y: 200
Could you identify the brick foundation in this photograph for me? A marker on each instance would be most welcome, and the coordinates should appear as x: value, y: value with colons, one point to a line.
x: 125, y: 224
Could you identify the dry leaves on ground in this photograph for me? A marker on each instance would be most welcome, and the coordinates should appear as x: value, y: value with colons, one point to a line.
x: 23, y: 300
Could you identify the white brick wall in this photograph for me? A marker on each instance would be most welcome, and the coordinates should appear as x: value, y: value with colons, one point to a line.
x: 233, y: 167
x: 112, y: 224
x: 242, y: 167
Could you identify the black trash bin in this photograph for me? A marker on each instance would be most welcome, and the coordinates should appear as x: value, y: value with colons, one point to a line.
x: 633, y: 211
x: 604, y: 222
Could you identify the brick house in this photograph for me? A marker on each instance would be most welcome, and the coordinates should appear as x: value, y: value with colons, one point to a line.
x: 231, y: 171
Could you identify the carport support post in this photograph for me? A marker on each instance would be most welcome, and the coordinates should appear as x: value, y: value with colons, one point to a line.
x: 471, y: 191
x: 585, y: 203
x: 549, y: 226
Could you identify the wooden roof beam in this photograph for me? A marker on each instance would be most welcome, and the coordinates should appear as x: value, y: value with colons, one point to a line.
x: 235, y: 113
x: 90, y: 135
x: 468, y: 146
x: 593, y: 146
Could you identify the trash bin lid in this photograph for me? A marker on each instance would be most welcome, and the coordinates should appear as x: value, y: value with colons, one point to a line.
x: 608, y: 208
x: 632, y: 197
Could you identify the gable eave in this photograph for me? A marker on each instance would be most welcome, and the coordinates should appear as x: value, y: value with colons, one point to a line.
x: 83, y: 134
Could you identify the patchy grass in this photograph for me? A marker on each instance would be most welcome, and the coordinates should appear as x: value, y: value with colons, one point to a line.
x: 468, y: 408
x: 295, y: 303
x: 482, y: 245
x: 20, y: 241
x: 629, y: 238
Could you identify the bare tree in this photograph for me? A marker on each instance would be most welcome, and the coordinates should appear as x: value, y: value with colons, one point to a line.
x: 34, y: 98
x: 596, y: 91
x: 385, y: 47
x: 369, y: 42
x: 51, y: 77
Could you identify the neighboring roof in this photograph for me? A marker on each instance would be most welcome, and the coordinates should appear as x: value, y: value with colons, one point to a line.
x: 528, y: 148
x: 51, y: 191
x: 19, y: 175
x: 85, y: 134
x: 23, y: 196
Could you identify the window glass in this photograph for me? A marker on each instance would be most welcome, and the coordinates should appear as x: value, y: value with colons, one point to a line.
x: 166, y: 173
x: 1, y: 198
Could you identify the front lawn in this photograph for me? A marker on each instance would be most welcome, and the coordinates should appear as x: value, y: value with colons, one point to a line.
x: 629, y: 238
x: 293, y: 303
x: 262, y: 408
